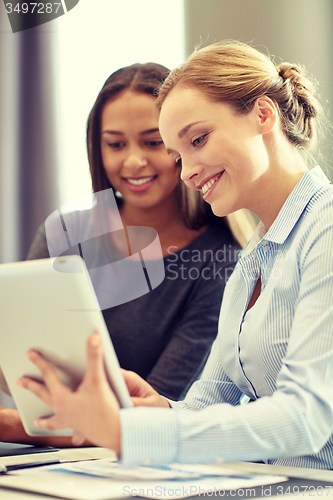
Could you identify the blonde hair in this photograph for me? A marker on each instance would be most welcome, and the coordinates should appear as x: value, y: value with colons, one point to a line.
x: 238, y: 74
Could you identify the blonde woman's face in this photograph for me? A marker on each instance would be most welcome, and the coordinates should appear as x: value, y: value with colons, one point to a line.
x: 133, y: 154
x: 221, y: 153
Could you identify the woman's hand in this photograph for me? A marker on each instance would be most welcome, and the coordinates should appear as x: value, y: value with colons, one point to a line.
x: 12, y: 431
x: 92, y: 410
x: 142, y: 394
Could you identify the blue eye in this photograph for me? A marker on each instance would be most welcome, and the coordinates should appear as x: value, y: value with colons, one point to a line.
x: 199, y: 141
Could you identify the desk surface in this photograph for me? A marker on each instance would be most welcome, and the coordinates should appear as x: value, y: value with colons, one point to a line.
x: 302, y: 483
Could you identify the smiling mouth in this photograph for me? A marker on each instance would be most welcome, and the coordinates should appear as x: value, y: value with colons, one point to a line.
x: 206, y: 187
x: 140, y: 181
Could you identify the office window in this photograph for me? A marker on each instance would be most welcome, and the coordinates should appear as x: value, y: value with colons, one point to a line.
x: 92, y: 40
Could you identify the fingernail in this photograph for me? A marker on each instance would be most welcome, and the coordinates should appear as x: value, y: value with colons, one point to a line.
x: 19, y: 382
x: 95, y: 340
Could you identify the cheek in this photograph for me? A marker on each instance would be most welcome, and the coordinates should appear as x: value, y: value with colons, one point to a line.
x: 109, y: 161
x: 169, y: 174
x: 166, y: 164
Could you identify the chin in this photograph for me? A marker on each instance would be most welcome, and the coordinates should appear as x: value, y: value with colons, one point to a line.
x: 222, y: 207
x: 219, y: 211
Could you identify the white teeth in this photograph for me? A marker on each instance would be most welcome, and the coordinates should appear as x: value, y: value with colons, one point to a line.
x: 142, y: 180
x: 210, y: 183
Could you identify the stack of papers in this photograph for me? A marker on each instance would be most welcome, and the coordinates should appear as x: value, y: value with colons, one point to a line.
x: 106, y: 479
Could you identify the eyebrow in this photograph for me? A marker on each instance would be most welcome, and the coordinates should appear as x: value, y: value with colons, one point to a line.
x: 114, y: 132
x: 150, y: 131
x: 145, y: 132
x: 184, y: 130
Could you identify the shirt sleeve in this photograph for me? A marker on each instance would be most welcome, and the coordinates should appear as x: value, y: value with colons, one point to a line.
x: 296, y: 420
x: 153, y: 436
x: 213, y: 387
x: 184, y: 356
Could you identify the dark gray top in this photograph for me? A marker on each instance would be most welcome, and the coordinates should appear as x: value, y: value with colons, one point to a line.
x: 165, y: 336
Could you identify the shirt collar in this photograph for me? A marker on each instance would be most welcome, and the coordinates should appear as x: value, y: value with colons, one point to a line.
x: 311, y: 182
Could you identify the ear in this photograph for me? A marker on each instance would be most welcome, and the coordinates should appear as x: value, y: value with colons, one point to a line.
x: 267, y: 114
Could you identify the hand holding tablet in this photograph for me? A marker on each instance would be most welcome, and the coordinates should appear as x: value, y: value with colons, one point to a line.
x: 91, y: 409
x: 53, y: 313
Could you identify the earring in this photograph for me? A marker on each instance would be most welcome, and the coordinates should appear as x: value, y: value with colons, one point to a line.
x: 118, y: 194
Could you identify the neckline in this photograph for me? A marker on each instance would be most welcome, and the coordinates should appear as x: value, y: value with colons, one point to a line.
x: 209, y: 228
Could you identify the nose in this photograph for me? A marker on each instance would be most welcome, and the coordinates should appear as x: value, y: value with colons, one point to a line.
x: 135, y: 159
x: 190, y: 173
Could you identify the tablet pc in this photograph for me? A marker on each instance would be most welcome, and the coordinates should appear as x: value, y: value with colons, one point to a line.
x: 53, y: 309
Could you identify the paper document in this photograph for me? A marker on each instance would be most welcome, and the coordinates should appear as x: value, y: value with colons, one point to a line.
x: 96, y: 480
x: 113, y: 469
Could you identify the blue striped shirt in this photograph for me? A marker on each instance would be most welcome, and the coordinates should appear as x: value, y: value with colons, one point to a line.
x: 279, y: 353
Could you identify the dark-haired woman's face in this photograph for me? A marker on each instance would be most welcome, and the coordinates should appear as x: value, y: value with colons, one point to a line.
x: 133, y: 154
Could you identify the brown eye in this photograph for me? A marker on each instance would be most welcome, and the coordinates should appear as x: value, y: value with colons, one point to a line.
x: 116, y: 145
x: 154, y: 144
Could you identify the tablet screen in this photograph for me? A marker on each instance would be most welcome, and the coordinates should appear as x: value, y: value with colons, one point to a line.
x: 53, y: 312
